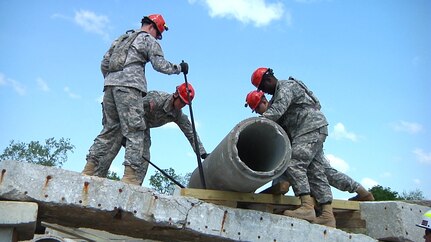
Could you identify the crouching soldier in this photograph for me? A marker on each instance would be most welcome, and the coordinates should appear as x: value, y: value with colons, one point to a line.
x: 162, y: 108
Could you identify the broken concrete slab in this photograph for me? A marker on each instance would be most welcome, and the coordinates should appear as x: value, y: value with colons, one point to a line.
x: 69, y: 199
x: 393, y: 220
x: 18, y: 218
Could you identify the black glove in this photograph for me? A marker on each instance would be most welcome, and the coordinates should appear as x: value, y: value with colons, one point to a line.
x: 184, y: 67
x: 123, y: 142
x: 204, y: 155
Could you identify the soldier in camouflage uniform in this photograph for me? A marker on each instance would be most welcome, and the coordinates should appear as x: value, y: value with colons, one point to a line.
x: 345, y: 183
x: 123, y: 67
x: 162, y: 108
x: 257, y: 101
x: 297, y: 110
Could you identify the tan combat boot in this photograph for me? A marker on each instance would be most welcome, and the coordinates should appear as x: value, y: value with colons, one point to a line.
x: 327, y: 217
x: 306, y: 211
x: 130, y: 176
x: 363, y: 195
x: 89, y: 168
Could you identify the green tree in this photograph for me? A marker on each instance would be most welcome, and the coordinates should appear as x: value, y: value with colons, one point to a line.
x: 383, y: 194
x: 113, y: 176
x: 162, y: 184
x: 412, y: 195
x: 52, y: 153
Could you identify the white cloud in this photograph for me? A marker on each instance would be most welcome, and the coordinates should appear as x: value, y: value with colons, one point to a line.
x: 42, y: 84
x: 92, y: 22
x: 340, y: 132
x: 257, y: 12
x: 338, y: 163
x: 409, y: 127
x: 16, y: 86
x: 170, y: 125
x: 71, y: 94
x: 422, y: 156
x: 368, y: 183
x: 386, y: 174
x: 417, y: 181
x: 61, y: 16
x: 89, y: 21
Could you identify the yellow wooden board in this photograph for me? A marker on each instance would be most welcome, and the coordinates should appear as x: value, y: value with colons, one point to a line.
x: 205, y: 194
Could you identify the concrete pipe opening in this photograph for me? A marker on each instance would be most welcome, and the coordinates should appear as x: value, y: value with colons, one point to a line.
x: 259, y: 149
x: 253, y: 153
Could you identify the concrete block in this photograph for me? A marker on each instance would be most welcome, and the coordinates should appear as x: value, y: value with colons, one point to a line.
x: 8, y: 234
x: 21, y: 216
x: 393, y: 220
x: 69, y: 199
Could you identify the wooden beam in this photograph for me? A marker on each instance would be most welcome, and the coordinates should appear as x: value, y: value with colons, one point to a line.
x: 280, y: 188
x: 258, y: 198
x: 239, y: 196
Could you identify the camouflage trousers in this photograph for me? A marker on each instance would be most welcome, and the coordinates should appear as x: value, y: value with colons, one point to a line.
x: 305, y: 171
x: 146, y: 154
x: 102, y: 171
x: 123, y: 116
x: 338, y: 179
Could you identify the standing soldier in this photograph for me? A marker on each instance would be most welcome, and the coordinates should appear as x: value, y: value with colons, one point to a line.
x: 257, y: 101
x: 162, y: 108
x: 123, y: 67
x: 297, y: 110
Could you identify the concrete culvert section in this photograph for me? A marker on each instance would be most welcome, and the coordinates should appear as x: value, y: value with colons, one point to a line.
x: 260, y: 149
x: 253, y: 153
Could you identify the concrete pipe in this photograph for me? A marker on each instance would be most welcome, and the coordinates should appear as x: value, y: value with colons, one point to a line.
x: 254, y: 152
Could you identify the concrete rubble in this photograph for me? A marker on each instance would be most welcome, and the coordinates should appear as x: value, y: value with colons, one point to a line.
x: 393, y: 221
x: 17, y: 220
x: 69, y: 199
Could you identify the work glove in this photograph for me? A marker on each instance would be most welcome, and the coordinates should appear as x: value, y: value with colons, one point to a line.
x: 184, y: 67
x: 204, y: 155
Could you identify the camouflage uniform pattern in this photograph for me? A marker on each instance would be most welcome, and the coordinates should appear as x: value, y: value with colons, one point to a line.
x: 123, y: 104
x: 338, y: 179
x: 122, y: 116
x: 144, y: 48
x: 306, y: 126
x: 159, y: 110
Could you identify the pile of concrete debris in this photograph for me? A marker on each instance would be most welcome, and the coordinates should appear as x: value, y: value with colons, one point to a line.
x: 80, y: 205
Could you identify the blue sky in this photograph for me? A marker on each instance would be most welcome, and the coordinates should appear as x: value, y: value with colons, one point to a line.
x: 369, y: 62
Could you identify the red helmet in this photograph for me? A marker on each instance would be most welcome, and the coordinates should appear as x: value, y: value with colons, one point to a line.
x: 253, y: 99
x: 257, y: 75
x: 182, y: 92
x: 159, y: 22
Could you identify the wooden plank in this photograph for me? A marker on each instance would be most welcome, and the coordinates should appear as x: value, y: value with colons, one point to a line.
x: 239, y: 196
x: 258, y: 198
x: 345, y: 204
x: 280, y: 188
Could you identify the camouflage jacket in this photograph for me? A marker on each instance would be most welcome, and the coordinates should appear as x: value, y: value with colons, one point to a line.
x: 294, y: 109
x: 159, y: 110
x: 144, y: 48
